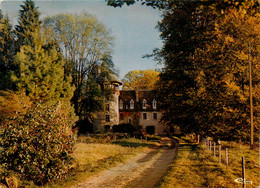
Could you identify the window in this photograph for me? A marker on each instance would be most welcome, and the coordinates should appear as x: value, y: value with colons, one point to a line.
x: 154, y: 104
x: 107, y: 118
x: 144, y: 115
x: 155, y: 116
x: 144, y: 104
x: 132, y: 104
x: 107, y: 107
x: 121, y: 104
x: 121, y: 116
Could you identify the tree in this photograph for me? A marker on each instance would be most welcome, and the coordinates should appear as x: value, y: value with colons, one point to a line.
x: 36, y: 121
x: 140, y: 79
x: 192, y: 90
x: 28, y: 22
x: 85, y: 44
x: 39, y: 65
x: 222, y: 75
x: 6, y: 52
x: 152, y: 3
x: 183, y: 29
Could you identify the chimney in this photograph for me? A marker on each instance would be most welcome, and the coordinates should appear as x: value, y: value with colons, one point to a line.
x: 136, y: 94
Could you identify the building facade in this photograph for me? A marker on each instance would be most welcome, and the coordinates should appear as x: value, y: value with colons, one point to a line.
x: 139, y: 108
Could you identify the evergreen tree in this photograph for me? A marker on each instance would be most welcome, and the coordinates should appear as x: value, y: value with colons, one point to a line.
x: 6, y: 52
x: 42, y: 72
x: 28, y: 22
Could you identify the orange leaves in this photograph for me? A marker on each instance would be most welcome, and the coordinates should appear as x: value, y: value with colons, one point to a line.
x: 12, y: 104
x: 140, y: 79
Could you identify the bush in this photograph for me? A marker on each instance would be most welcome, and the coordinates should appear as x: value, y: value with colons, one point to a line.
x: 84, y: 127
x: 37, y: 143
x: 124, y: 128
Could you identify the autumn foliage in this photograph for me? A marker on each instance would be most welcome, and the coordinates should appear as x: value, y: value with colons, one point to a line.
x: 37, y: 141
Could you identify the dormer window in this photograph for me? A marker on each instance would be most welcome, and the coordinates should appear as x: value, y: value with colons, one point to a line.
x: 132, y: 104
x: 144, y: 104
x: 154, y: 104
x: 121, y: 104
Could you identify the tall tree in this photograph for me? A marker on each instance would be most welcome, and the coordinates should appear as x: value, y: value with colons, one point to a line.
x: 183, y: 29
x: 85, y: 43
x: 28, y: 22
x: 222, y: 74
x: 187, y: 28
x: 141, y: 79
x: 6, y: 52
x: 39, y: 65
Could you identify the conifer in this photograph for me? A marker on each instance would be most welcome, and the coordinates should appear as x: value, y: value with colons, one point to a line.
x: 6, y: 52
x: 28, y: 22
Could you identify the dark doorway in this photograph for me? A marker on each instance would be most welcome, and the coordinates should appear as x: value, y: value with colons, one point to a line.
x: 150, y: 130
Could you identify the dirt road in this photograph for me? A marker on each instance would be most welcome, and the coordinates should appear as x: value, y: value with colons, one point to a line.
x: 143, y: 171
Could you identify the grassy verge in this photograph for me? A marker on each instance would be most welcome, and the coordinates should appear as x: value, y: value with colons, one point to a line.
x: 195, y: 166
x: 91, y: 158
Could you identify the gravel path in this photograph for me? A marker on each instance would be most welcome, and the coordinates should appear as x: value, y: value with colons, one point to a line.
x: 142, y: 171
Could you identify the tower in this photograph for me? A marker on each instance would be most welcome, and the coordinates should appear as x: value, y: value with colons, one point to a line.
x: 109, y: 116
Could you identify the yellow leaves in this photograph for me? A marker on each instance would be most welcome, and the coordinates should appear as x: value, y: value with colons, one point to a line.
x: 140, y: 79
x: 229, y: 39
x: 12, y: 104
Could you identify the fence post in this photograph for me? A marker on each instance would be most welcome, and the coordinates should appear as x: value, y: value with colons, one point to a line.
x: 243, y: 172
x: 219, y: 152
x: 214, y: 152
x: 226, y: 157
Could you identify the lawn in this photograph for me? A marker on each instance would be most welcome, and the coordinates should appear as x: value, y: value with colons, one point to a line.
x: 195, y: 166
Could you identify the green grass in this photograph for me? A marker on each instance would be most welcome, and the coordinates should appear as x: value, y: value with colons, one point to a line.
x: 195, y: 166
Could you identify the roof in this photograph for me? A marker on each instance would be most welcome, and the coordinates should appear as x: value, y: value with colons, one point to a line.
x: 114, y: 79
x: 138, y: 97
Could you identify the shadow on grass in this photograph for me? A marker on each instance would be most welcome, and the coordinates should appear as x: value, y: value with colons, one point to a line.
x: 188, y: 147
x: 134, y: 144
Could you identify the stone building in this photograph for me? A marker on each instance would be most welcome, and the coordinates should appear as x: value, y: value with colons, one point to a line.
x: 105, y: 119
x: 139, y: 108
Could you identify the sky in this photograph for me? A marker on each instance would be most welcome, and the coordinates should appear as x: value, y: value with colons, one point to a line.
x: 132, y: 26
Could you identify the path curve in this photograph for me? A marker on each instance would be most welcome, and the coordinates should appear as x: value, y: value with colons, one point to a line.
x: 144, y: 170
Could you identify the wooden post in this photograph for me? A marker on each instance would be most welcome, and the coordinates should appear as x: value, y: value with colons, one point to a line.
x: 219, y: 152
x: 214, y: 151
x: 251, y: 100
x: 210, y: 146
x: 198, y: 138
x: 243, y: 172
x: 227, y: 158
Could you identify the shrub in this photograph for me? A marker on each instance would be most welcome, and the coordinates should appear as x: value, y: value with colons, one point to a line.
x: 124, y: 128
x: 37, y: 143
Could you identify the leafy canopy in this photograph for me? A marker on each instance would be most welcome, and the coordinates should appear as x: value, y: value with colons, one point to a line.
x: 140, y: 79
